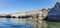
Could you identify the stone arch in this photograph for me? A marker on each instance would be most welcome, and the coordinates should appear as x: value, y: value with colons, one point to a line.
x: 13, y: 17
x: 19, y: 17
x: 8, y: 16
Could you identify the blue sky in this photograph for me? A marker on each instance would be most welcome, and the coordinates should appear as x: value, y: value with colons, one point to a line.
x: 14, y: 6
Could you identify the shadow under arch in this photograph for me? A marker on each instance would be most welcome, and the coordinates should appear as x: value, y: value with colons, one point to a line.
x: 8, y: 16
x: 13, y: 17
x: 27, y: 16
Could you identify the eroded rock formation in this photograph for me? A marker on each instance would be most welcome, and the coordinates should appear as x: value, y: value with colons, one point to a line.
x: 54, y: 14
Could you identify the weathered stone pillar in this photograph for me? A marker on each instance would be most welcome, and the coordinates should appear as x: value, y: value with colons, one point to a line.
x: 41, y: 23
x: 39, y: 20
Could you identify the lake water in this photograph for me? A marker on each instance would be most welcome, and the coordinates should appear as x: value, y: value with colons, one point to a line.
x: 53, y: 24
x: 23, y: 23
x: 14, y: 23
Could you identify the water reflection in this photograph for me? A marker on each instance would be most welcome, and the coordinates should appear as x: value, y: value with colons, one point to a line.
x: 14, y: 23
x: 26, y: 23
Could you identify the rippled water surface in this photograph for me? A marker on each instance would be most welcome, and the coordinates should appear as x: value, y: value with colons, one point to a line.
x: 23, y: 23
x: 13, y: 23
x: 53, y: 24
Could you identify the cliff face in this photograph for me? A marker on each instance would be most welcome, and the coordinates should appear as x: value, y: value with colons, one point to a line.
x: 32, y: 13
x: 41, y: 13
x: 55, y: 10
x: 54, y: 14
